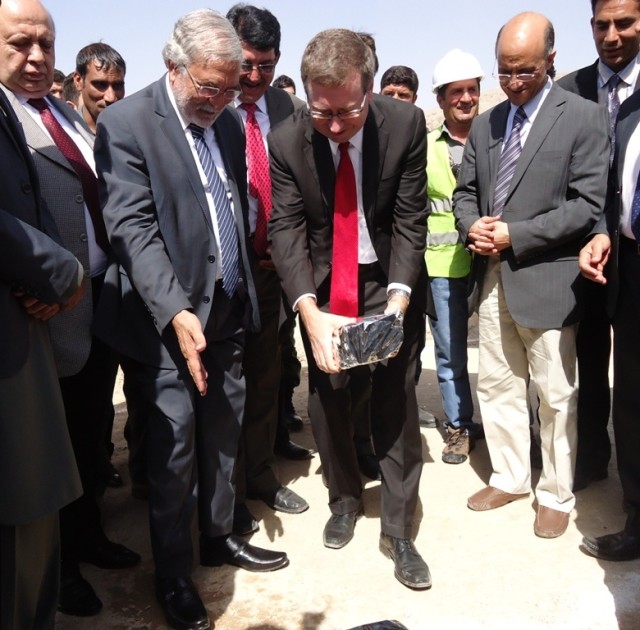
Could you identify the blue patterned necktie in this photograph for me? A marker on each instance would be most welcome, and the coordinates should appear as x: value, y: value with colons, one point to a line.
x: 226, y: 224
x: 508, y: 162
x: 613, y: 105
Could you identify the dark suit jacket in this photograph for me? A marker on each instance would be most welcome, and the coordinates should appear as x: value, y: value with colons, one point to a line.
x: 159, y: 224
x: 394, y: 198
x: 556, y: 196
x: 585, y: 82
x: 62, y: 189
x: 36, y: 460
x: 628, y: 120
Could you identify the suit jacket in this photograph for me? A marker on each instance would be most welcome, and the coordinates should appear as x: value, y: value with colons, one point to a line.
x: 159, y: 224
x: 556, y: 196
x: 627, y: 121
x: 585, y: 82
x: 61, y: 188
x: 36, y: 460
x: 394, y: 198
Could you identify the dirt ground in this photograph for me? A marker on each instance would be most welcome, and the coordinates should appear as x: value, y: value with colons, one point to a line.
x: 489, y: 569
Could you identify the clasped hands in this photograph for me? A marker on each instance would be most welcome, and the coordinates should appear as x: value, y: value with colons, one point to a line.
x: 488, y: 236
x: 42, y: 311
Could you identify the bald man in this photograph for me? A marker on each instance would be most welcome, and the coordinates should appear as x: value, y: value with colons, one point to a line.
x: 526, y: 237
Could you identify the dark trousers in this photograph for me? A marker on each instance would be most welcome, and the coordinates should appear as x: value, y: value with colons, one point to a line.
x: 88, y: 406
x: 626, y: 389
x: 593, y: 346
x: 29, y: 574
x: 193, y: 440
x: 394, y: 420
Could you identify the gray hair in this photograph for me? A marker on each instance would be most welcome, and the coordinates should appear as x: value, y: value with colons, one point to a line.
x: 333, y: 56
x: 202, y: 36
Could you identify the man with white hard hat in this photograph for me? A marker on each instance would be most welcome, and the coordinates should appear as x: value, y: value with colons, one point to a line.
x: 456, y: 83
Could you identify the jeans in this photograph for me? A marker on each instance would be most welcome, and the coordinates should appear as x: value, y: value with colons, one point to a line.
x: 450, y: 339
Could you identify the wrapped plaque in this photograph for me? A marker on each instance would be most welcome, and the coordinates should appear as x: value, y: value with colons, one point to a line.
x: 369, y: 339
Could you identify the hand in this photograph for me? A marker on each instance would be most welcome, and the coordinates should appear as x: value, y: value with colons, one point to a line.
x: 397, y: 304
x: 322, y: 328
x: 35, y: 308
x: 593, y: 258
x: 73, y: 300
x: 192, y: 343
x: 481, y: 235
x: 501, y: 237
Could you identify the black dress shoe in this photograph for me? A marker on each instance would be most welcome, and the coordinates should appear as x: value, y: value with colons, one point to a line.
x: 339, y: 529
x: 231, y: 549
x: 410, y: 569
x: 369, y: 466
x: 291, y: 450
x: 114, y: 480
x: 283, y: 500
x: 110, y: 555
x: 619, y: 546
x: 181, y: 603
x: 77, y: 597
x: 583, y: 478
x: 244, y: 523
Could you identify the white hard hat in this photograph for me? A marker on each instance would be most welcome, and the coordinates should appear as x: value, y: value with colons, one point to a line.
x: 456, y: 65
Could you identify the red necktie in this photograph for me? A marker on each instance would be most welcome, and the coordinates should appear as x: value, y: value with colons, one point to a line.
x: 259, y: 178
x: 343, y: 299
x: 74, y: 156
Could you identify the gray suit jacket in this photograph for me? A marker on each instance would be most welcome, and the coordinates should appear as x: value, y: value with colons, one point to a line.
x: 62, y: 190
x: 556, y: 195
x: 159, y: 225
x: 37, y: 465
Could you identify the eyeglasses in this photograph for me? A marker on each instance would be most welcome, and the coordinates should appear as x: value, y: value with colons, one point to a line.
x: 211, y: 91
x: 263, y: 68
x: 352, y: 113
x: 521, y: 77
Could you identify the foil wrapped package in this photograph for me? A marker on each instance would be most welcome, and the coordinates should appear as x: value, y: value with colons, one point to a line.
x: 369, y: 339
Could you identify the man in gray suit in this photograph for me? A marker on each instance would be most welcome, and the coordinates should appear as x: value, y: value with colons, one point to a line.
x: 61, y: 146
x: 37, y: 466
x: 531, y: 185
x: 171, y: 163
x: 609, y: 81
x: 261, y: 107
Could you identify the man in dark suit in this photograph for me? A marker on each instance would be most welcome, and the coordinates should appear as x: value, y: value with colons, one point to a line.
x: 526, y: 238
x: 178, y: 301
x: 609, y: 81
x: 38, y: 278
x: 86, y: 366
x: 612, y: 258
x: 261, y: 107
x: 381, y: 145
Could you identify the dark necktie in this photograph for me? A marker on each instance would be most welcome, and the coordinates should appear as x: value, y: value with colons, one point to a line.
x: 74, y: 156
x: 613, y: 105
x: 508, y: 162
x: 226, y: 224
x: 343, y: 299
x: 259, y: 178
x: 635, y: 212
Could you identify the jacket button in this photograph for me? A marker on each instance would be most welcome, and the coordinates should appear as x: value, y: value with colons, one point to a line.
x: 79, y: 199
x: 206, y: 299
x: 83, y: 238
x: 26, y: 189
x: 211, y: 259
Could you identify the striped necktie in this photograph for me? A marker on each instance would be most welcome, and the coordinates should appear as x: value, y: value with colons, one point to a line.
x: 508, y: 162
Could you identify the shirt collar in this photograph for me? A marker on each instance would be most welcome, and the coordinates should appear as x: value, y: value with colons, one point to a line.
x: 355, y: 142
x: 261, y: 104
x: 629, y: 74
x: 532, y: 107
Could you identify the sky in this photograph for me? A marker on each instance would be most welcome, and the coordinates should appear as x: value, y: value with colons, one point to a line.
x: 415, y: 33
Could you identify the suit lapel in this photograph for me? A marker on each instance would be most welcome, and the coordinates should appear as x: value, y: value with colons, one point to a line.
x: 317, y: 154
x: 277, y: 108
x: 497, y: 128
x: 550, y: 111
x: 375, y: 140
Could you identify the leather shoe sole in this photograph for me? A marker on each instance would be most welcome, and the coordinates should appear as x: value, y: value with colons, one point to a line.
x: 410, y: 569
x: 110, y: 555
x: 233, y: 550
x: 78, y: 598
x: 490, y: 498
x: 550, y: 523
x: 181, y: 603
x: 339, y: 529
x: 618, y: 547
